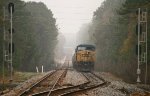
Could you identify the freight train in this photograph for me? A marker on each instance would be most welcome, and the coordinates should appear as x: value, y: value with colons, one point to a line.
x: 84, y: 58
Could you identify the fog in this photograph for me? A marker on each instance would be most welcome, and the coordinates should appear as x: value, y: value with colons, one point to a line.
x: 46, y: 33
x: 71, y: 15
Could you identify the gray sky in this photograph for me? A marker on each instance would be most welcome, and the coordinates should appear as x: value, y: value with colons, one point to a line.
x: 71, y: 14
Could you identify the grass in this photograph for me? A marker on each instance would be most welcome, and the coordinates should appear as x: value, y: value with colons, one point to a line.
x: 18, y: 78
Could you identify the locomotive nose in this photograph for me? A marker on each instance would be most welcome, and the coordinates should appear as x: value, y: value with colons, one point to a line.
x: 87, y: 52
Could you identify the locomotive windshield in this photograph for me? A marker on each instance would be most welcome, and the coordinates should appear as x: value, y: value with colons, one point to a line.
x: 81, y: 48
x: 85, y: 48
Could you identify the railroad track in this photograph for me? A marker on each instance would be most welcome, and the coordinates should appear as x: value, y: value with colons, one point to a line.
x: 93, y: 81
x: 48, y: 83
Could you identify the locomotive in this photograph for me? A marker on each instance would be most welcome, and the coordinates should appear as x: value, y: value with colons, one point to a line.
x: 84, y: 57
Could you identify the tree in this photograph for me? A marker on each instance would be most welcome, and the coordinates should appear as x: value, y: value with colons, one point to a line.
x: 113, y: 31
x: 35, y: 35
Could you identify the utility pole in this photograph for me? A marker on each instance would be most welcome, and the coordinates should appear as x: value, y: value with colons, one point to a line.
x: 142, y: 42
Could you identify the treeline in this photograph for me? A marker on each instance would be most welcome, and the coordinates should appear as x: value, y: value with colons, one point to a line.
x: 113, y: 32
x: 35, y: 35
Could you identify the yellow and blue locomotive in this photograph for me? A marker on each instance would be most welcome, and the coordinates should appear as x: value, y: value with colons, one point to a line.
x: 84, y: 57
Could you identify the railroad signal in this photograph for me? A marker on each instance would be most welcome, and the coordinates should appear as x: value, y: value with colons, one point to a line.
x: 140, y: 50
x: 11, y: 7
x: 13, y: 31
x: 137, y: 12
x: 13, y: 48
x: 11, y: 44
x: 138, y: 29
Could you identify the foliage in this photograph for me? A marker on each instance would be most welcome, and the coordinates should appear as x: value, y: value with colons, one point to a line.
x: 35, y: 35
x: 113, y: 29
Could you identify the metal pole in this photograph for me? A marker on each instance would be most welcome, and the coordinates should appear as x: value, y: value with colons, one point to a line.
x: 146, y: 51
x: 42, y: 69
x: 4, y: 45
x: 11, y: 68
x: 138, y: 69
x: 139, y: 39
